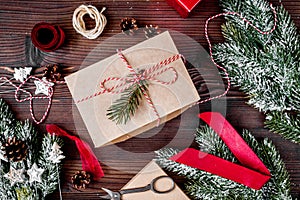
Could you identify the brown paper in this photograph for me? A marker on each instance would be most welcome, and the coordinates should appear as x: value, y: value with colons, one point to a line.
x: 169, y: 100
x: 144, y: 177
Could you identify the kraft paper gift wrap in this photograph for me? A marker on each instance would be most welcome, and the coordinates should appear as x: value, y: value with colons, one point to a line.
x: 144, y: 177
x: 169, y: 100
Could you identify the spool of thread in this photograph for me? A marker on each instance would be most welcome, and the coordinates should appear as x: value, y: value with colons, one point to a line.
x: 47, y: 37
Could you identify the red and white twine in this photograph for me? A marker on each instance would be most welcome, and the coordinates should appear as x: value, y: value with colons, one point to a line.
x: 149, y: 74
x: 30, y: 97
x: 210, y: 46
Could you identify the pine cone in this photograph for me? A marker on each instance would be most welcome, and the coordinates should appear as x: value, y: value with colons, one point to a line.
x: 52, y: 73
x: 129, y: 25
x: 151, y: 31
x: 81, y: 179
x: 15, y: 150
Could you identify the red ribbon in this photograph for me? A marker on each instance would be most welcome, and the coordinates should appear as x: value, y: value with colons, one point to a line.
x: 47, y: 37
x: 252, y: 172
x: 89, y: 161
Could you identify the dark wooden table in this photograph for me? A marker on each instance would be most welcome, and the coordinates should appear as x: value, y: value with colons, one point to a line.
x: 16, y: 21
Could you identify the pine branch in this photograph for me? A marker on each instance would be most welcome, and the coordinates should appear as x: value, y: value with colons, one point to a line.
x: 51, y: 175
x: 37, y: 152
x: 213, y: 144
x: 285, y: 124
x: 265, y: 67
x: 123, y: 108
x: 203, y: 185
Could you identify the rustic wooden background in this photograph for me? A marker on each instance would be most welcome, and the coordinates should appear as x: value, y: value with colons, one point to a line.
x: 16, y: 21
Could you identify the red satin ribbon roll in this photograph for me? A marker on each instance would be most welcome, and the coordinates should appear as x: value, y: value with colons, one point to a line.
x: 47, y: 37
x: 252, y: 172
x: 89, y: 160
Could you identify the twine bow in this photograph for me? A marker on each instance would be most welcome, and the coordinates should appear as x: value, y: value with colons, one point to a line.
x: 149, y: 74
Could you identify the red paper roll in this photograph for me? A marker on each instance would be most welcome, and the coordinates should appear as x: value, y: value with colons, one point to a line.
x: 47, y: 37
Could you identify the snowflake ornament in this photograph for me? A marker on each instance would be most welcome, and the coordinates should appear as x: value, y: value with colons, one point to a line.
x: 35, y: 173
x: 42, y: 87
x: 21, y: 74
x: 56, y: 154
x: 15, y: 176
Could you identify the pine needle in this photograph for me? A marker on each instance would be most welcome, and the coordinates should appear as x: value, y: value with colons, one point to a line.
x: 125, y: 107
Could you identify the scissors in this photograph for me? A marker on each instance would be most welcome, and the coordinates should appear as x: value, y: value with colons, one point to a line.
x: 153, y: 186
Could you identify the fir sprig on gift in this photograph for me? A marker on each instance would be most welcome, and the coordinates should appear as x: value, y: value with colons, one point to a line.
x: 125, y: 107
x: 204, y: 185
x: 266, y: 67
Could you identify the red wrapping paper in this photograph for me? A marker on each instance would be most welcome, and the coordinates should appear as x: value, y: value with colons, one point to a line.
x: 252, y: 172
x: 183, y: 7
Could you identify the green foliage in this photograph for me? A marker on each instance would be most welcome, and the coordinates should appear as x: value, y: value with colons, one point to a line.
x: 266, y: 67
x: 123, y: 108
x: 39, y: 147
x: 203, y: 185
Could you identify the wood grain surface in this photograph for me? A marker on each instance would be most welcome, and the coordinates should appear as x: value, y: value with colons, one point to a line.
x: 122, y: 161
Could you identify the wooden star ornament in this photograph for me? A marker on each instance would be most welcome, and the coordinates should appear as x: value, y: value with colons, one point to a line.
x: 35, y: 173
x: 15, y: 176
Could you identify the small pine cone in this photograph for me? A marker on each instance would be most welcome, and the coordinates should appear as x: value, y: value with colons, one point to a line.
x: 14, y: 150
x: 52, y: 73
x: 81, y: 179
x: 129, y: 25
x: 151, y: 31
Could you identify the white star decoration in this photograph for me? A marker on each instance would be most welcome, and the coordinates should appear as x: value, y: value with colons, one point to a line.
x: 35, y: 173
x: 42, y: 87
x: 15, y: 176
x: 56, y: 154
x: 22, y: 73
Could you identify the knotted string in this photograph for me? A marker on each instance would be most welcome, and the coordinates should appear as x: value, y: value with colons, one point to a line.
x: 30, y: 97
x: 210, y: 46
x: 149, y: 74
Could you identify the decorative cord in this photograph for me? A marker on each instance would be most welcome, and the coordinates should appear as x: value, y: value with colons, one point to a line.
x: 30, y: 97
x: 79, y: 24
x: 210, y: 46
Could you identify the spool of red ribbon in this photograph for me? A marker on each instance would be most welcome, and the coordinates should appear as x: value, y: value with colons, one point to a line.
x: 47, y: 37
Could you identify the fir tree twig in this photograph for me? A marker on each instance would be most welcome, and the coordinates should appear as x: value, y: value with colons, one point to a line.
x: 123, y: 108
x: 265, y: 67
x: 204, y: 185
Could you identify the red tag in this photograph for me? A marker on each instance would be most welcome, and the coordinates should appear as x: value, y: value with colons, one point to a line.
x: 252, y: 172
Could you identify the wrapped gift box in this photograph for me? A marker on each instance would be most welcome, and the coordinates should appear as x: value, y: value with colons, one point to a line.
x: 184, y: 7
x: 169, y: 100
x: 145, y: 176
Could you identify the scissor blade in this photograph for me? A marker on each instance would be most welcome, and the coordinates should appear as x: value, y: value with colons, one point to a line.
x: 107, y: 197
x: 109, y: 192
x: 112, y: 195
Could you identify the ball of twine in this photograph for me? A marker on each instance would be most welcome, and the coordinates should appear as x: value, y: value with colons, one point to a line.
x: 79, y: 24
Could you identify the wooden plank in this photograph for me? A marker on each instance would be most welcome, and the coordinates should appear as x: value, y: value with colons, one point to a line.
x: 17, y: 18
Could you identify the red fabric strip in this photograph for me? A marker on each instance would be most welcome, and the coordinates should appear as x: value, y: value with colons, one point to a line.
x: 89, y: 160
x: 253, y: 173
x: 221, y: 167
x: 234, y: 141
